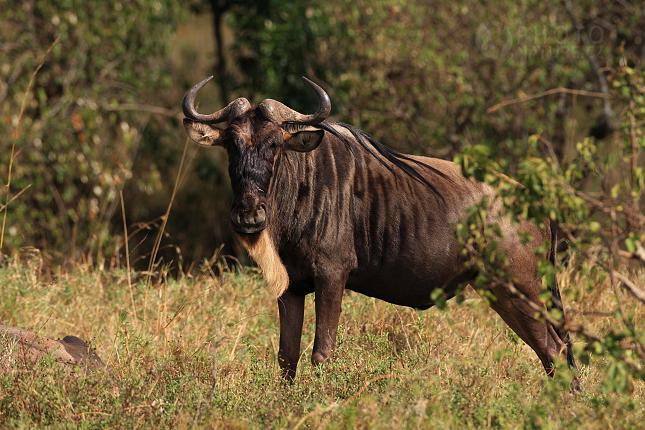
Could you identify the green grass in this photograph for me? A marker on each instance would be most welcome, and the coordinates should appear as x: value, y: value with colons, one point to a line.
x: 201, y: 353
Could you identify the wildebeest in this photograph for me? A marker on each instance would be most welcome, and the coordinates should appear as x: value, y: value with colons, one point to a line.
x: 322, y: 207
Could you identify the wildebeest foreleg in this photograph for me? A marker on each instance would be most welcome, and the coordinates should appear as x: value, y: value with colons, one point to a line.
x: 291, y: 308
x: 329, y: 296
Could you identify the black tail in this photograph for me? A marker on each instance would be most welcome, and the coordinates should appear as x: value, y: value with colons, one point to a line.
x: 556, y: 299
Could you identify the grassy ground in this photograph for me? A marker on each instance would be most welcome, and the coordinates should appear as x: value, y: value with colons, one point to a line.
x: 201, y: 353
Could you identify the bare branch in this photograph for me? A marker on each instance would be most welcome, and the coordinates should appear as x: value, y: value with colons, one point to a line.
x: 143, y: 108
x: 2, y: 207
x: 637, y: 292
x: 559, y: 90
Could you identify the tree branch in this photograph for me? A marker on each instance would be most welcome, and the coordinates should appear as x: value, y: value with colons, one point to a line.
x: 637, y: 292
x: 144, y: 108
x: 548, y: 93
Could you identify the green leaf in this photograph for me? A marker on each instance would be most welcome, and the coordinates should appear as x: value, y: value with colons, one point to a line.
x: 439, y: 299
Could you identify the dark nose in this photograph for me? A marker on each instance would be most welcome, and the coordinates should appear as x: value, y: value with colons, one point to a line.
x: 248, y: 220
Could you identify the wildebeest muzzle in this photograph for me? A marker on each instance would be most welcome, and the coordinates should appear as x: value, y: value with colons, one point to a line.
x: 248, y: 218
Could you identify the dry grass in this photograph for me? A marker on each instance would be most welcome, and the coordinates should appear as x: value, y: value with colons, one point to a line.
x: 203, y: 354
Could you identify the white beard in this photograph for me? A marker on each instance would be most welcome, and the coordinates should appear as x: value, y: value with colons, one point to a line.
x: 263, y: 252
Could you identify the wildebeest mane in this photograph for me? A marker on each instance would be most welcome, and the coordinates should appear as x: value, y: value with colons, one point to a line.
x: 382, y: 153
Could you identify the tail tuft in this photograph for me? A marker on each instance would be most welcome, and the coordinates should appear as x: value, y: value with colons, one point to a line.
x: 556, y: 299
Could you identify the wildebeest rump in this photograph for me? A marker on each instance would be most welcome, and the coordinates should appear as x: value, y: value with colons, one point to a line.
x: 322, y: 207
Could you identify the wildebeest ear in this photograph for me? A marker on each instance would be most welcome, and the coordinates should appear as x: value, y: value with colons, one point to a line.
x: 204, y: 134
x: 303, y: 141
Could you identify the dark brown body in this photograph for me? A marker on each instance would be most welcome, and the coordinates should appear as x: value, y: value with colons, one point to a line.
x: 343, y: 212
x: 348, y: 222
x: 384, y: 232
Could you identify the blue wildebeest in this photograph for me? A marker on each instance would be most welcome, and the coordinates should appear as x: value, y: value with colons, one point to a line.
x: 322, y: 207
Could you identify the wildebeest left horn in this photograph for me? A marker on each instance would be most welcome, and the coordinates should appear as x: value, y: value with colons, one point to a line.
x: 276, y: 111
x: 233, y: 110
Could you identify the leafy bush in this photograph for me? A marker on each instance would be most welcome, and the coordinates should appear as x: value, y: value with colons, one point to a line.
x: 604, y: 231
x: 85, y: 112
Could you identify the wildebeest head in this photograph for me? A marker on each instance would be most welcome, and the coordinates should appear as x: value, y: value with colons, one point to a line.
x: 254, y: 140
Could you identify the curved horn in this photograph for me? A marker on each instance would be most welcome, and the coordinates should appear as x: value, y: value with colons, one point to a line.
x: 276, y: 111
x: 233, y: 110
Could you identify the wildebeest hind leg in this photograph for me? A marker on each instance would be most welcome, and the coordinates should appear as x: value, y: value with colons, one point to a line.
x: 519, y: 316
x: 291, y: 308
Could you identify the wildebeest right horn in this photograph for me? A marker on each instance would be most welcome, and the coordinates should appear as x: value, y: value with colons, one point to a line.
x: 278, y: 112
x: 233, y: 110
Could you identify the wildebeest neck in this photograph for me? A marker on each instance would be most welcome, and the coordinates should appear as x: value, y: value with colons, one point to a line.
x: 392, y: 160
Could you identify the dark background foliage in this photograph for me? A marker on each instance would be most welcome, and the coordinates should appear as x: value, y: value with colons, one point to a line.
x: 102, y: 115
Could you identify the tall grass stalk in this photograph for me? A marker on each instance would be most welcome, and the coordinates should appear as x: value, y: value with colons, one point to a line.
x: 16, y: 134
x: 162, y: 229
x: 127, y: 256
